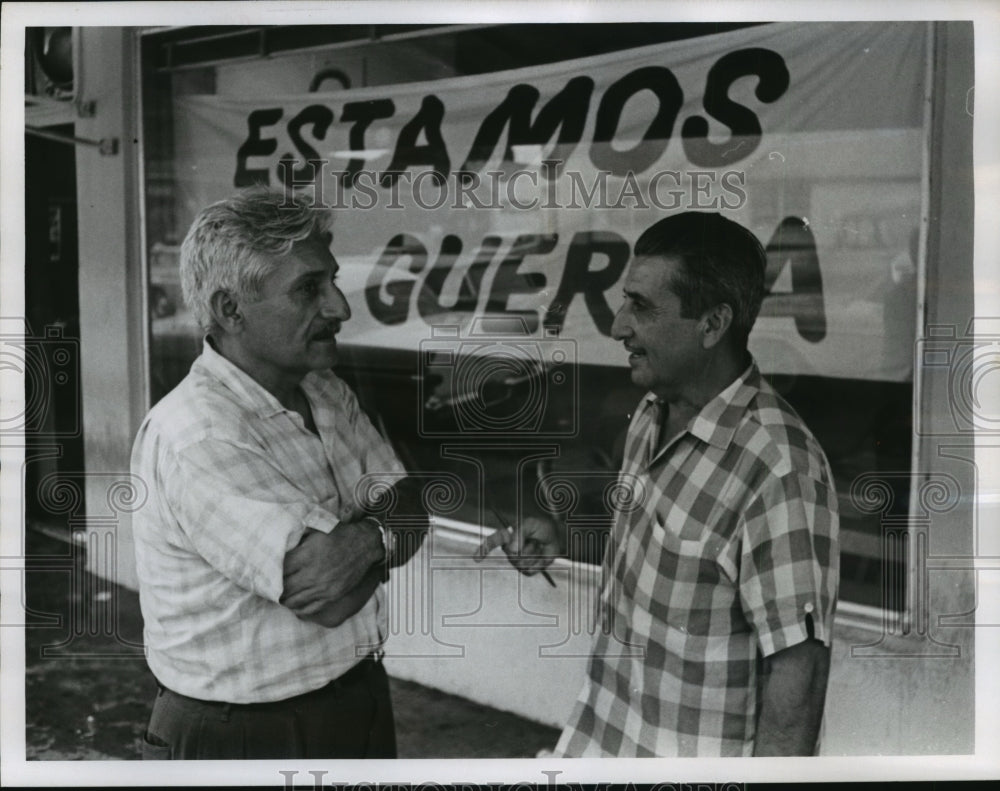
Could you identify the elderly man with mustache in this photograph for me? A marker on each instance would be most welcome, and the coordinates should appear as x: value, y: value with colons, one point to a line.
x: 260, y: 571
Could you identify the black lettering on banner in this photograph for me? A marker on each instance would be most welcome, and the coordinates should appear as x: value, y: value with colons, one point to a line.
x: 407, y: 154
x: 566, y: 111
x: 361, y: 115
x: 794, y: 245
x: 579, y: 278
x: 508, y: 281
x: 662, y: 82
x: 400, y: 246
x: 429, y: 297
x: 320, y: 118
x: 256, y: 146
x: 772, y: 82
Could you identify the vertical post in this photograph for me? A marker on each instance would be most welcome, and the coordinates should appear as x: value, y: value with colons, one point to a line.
x: 113, y: 351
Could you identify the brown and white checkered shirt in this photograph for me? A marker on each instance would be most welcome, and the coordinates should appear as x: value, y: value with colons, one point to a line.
x: 728, y: 549
x: 234, y: 480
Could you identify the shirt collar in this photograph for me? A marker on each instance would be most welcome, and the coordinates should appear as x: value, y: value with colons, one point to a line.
x: 718, y: 420
x: 250, y: 392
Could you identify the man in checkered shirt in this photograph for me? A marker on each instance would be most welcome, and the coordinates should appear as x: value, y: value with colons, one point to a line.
x: 720, y: 576
x: 262, y: 548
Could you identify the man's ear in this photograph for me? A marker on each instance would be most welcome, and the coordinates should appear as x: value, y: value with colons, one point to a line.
x: 226, y: 312
x: 715, y: 322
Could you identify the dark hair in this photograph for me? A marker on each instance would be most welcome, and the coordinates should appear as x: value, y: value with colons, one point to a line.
x: 721, y: 262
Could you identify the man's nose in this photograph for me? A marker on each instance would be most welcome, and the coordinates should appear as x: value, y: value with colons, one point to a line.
x: 335, y: 304
x: 620, y: 329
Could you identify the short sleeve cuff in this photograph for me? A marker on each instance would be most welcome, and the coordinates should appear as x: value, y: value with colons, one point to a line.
x: 320, y: 519
x: 272, y: 584
x: 266, y: 576
x: 790, y: 628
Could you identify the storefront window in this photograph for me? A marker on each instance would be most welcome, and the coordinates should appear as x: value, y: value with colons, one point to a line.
x: 480, y: 338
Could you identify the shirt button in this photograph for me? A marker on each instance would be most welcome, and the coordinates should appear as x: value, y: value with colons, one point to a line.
x: 808, y: 607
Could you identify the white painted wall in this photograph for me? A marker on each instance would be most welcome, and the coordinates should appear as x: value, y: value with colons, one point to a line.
x: 487, y: 633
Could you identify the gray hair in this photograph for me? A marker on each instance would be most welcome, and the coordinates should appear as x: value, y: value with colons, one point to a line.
x: 232, y: 245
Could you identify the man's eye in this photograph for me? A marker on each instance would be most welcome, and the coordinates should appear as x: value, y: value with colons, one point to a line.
x: 310, y: 289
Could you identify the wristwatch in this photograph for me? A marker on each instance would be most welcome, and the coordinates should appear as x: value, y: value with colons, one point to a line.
x: 388, y: 538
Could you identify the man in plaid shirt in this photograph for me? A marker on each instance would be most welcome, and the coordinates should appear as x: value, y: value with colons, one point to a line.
x: 720, y: 577
x: 261, y: 550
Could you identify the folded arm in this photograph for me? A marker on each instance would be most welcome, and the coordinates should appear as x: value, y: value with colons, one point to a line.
x: 335, y: 611
x: 241, y: 515
x: 254, y: 526
x: 331, y: 572
x: 321, y: 573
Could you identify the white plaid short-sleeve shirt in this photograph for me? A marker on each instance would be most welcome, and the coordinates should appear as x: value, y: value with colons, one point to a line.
x: 234, y: 480
x: 726, y: 555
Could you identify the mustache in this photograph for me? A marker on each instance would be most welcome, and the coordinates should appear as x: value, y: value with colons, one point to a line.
x: 326, y: 330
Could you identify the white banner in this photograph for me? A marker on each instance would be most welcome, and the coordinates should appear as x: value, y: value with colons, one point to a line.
x: 521, y: 193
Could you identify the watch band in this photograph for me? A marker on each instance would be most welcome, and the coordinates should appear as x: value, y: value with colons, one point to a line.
x: 388, y: 539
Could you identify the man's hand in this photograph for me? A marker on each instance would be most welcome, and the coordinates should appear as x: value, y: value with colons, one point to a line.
x: 535, y: 543
x: 793, y: 697
x: 325, y: 566
x: 334, y: 613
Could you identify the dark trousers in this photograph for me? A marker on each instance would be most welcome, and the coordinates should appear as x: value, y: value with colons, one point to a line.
x: 351, y: 717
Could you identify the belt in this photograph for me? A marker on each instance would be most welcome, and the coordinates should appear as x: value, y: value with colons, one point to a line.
x: 355, y: 675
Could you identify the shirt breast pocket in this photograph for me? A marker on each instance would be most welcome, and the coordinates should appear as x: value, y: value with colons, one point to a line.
x: 691, y: 581
x: 668, y: 538
x: 663, y: 566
